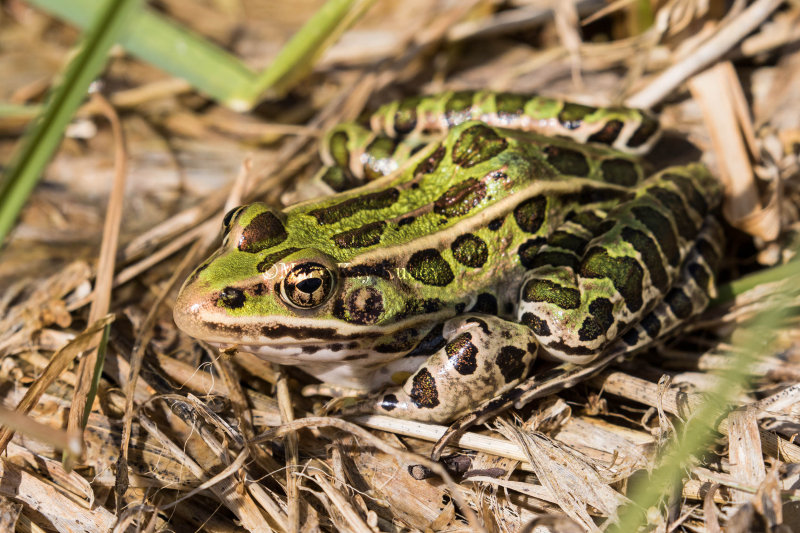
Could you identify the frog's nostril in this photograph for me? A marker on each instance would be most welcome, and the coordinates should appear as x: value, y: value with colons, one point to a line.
x: 231, y: 298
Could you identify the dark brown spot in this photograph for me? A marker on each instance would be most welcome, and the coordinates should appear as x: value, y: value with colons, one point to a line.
x: 367, y: 235
x: 567, y: 161
x: 383, y: 270
x: 470, y: 250
x: 477, y: 144
x: 608, y: 134
x: 481, y: 324
x: 485, y: 303
x: 389, y: 402
x: 462, y: 354
x: 537, y: 325
x: 644, y: 132
x: 364, y: 305
x: 460, y: 199
x: 530, y: 214
x: 527, y: 251
x: 423, y: 390
x: 599, y: 320
x: 511, y: 362
x: 264, y: 231
x: 431, y: 163
x: 348, y: 208
x: 496, y: 224
x: 428, y: 267
x: 430, y: 344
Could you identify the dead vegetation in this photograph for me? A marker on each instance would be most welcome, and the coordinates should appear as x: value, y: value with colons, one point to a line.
x: 183, y: 438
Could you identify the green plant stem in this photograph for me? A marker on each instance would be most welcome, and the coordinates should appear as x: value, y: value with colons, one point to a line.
x: 161, y: 42
x: 729, y: 291
x: 698, y: 431
x: 41, y: 141
x: 306, y: 45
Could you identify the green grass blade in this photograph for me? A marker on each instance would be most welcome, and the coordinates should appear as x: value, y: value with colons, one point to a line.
x: 298, y: 55
x: 698, y: 431
x: 221, y: 75
x: 41, y: 141
x: 171, y: 47
x: 729, y: 291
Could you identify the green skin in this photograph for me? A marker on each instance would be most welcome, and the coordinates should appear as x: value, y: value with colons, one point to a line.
x: 445, y: 278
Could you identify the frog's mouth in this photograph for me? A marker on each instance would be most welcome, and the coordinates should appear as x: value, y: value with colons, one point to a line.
x: 285, y: 340
x: 208, y: 324
x: 307, y: 354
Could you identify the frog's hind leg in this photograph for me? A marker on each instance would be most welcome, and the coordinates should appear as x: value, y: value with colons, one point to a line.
x: 579, y: 299
x: 484, y: 356
x: 695, y: 288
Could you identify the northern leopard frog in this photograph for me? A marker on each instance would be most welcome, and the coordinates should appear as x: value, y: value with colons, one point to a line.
x: 491, y: 237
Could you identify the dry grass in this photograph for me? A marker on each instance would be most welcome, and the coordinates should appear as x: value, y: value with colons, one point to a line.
x: 183, y: 438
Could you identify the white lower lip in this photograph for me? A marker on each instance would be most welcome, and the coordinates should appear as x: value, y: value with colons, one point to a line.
x: 288, y: 354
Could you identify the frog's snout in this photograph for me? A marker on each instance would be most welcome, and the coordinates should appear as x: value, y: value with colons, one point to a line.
x: 188, y: 311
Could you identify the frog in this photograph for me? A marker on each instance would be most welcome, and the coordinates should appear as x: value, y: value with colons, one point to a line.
x: 464, y: 235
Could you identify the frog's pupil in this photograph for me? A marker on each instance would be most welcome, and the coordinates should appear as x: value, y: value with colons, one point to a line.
x: 309, y: 285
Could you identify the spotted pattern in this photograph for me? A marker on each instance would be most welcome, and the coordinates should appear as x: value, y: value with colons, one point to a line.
x: 644, y: 132
x: 608, y: 134
x: 530, y: 214
x: 619, y: 172
x: 495, y: 224
x: 263, y: 232
x: 568, y: 162
x: 389, y: 402
x: 538, y: 325
x: 428, y: 267
x: 511, y: 363
x: 624, y: 272
x: 477, y: 144
x: 485, y: 303
x: 648, y: 250
x: 348, y: 208
x: 470, y: 250
x: 599, y: 320
x: 462, y: 354
x: 528, y: 250
x: 417, y: 265
x: 460, y: 199
x: 362, y: 306
x: 366, y: 235
x: 431, y: 163
x: 423, y: 390
x: 542, y: 290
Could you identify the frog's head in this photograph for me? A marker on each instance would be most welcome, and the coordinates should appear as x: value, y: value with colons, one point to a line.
x: 282, y: 296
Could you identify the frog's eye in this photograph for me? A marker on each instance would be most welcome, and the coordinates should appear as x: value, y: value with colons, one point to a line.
x: 227, y: 219
x: 307, y: 285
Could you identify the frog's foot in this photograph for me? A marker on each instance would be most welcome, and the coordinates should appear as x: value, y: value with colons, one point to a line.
x: 341, y: 398
x: 484, y: 356
x: 330, y: 390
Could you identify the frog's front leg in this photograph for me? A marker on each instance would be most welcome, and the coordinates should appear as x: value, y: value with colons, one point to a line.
x: 483, y: 356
